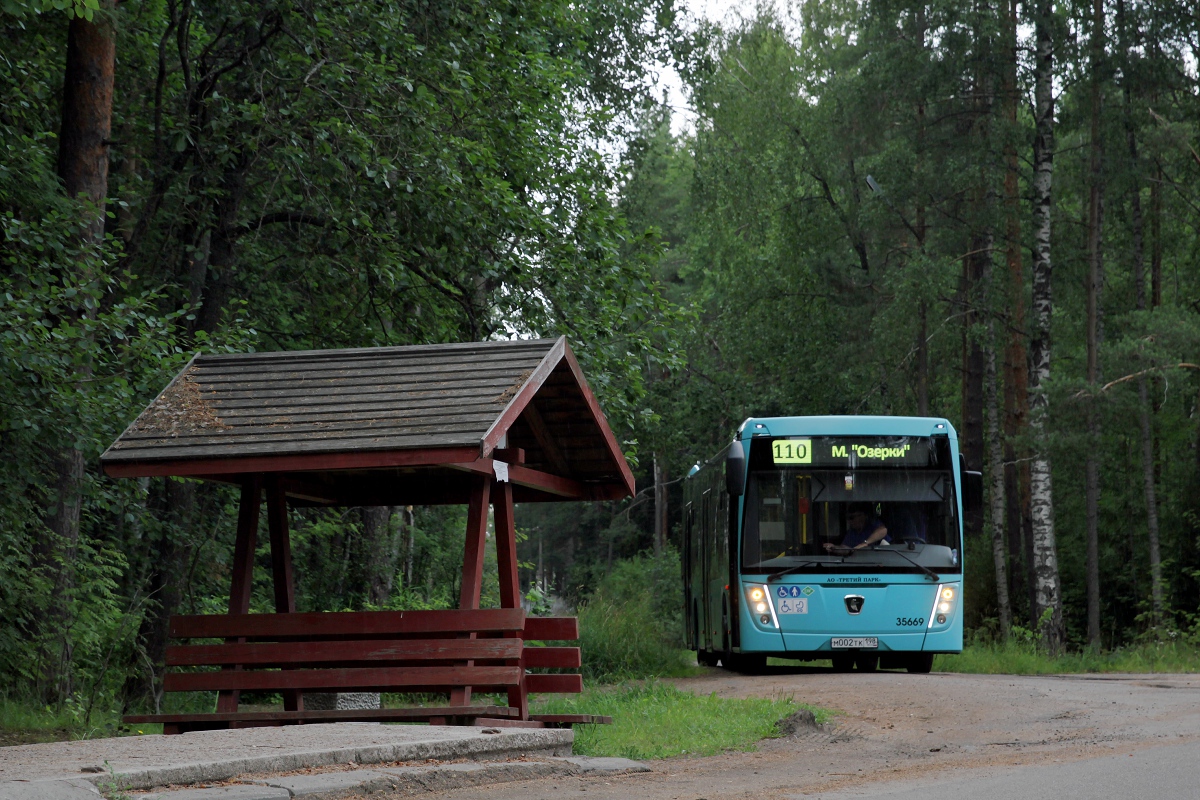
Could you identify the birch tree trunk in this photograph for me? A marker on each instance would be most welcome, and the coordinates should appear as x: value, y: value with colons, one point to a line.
x: 1094, y: 327
x: 1047, y: 591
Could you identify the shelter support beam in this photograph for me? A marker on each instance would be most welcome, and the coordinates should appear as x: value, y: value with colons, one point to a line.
x: 243, y: 568
x: 506, y: 560
x: 281, y: 568
x: 472, y: 572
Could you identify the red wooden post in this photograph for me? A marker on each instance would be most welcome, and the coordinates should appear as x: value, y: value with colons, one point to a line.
x: 506, y: 532
x: 472, y: 573
x: 510, y: 588
x: 506, y: 547
x: 506, y: 559
x: 281, y: 568
x: 243, y: 566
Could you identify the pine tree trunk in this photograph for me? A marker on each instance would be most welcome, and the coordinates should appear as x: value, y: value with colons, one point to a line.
x: 1047, y: 589
x: 995, y: 469
x: 1094, y: 329
x: 377, y: 549
x: 1016, y: 384
x: 410, y: 544
x: 660, y: 506
x: 1139, y: 282
x: 83, y: 169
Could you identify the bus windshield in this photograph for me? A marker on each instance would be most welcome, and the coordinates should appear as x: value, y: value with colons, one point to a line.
x: 894, y: 518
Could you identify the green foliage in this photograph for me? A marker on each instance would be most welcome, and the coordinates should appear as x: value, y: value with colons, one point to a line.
x: 657, y: 720
x: 631, y: 626
x: 287, y: 176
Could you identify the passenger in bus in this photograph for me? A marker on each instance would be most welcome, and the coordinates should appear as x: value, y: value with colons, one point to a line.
x: 863, y: 529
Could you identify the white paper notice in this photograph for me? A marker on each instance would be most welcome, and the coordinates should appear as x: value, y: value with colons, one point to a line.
x: 501, y: 471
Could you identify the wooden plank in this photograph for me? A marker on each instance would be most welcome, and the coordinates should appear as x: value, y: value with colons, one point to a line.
x: 551, y: 657
x: 243, y: 565
x: 544, y: 481
x: 573, y: 719
x: 477, y: 523
x: 364, y: 358
x: 392, y: 370
x: 487, y: 722
x: 525, y: 393
x: 348, y: 679
x: 545, y: 438
x: 297, y: 392
x: 600, y: 420
x: 289, y: 433
x: 549, y: 629
x: 392, y: 650
x: 281, y: 548
x: 506, y: 546
x: 368, y: 381
x: 549, y: 684
x: 296, y: 462
x: 244, y: 545
x: 346, y: 624
x: 298, y: 396
x: 344, y: 715
x: 238, y: 417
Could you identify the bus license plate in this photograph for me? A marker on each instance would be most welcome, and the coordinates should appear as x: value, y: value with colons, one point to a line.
x: 853, y: 642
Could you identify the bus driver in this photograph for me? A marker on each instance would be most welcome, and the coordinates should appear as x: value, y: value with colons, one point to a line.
x: 863, y: 529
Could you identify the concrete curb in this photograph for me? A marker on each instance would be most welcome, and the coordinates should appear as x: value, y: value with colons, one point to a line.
x: 403, y: 780
x: 509, y: 743
x: 75, y: 789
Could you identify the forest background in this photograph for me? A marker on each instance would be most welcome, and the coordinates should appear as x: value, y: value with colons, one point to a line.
x: 985, y: 211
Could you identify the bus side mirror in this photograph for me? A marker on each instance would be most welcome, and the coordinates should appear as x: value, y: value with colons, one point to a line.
x: 735, y: 469
x: 972, y: 493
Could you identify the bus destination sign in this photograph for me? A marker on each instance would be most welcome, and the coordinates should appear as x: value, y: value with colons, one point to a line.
x: 837, y: 451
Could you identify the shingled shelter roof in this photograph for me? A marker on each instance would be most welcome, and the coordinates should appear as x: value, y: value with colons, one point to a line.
x: 383, y: 425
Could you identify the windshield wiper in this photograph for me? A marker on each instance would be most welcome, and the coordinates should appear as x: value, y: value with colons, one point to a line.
x: 933, y: 576
x: 795, y: 568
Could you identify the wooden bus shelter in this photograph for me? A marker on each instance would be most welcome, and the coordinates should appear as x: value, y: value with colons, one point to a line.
x: 482, y: 424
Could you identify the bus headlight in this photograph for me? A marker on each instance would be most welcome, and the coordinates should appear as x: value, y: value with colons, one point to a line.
x: 943, y: 604
x: 760, y: 602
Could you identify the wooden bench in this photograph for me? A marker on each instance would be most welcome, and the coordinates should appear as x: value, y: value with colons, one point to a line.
x: 426, y: 652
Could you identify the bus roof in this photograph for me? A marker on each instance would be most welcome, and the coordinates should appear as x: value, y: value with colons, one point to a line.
x: 846, y: 426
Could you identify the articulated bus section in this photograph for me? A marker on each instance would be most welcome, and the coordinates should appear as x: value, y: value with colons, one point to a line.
x: 828, y: 538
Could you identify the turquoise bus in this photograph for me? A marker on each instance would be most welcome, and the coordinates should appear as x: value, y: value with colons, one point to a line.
x: 836, y: 537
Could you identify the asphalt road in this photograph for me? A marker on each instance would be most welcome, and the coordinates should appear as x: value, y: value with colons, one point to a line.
x: 1170, y: 771
x: 934, y: 736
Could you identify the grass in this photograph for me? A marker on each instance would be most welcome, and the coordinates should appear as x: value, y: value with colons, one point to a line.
x: 26, y: 723
x: 656, y: 720
x: 1022, y: 658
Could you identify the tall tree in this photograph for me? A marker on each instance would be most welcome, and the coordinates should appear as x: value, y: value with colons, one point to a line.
x: 1095, y: 281
x: 1016, y: 370
x: 87, y: 101
x: 1048, y: 609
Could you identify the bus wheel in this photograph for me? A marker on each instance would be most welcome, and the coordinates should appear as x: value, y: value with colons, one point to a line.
x: 866, y: 663
x: 843, y: 663
x: 706, y: 658
x: 920, y: 663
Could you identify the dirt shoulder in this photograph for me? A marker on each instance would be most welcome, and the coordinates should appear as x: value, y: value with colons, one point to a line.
x: 895, y: 725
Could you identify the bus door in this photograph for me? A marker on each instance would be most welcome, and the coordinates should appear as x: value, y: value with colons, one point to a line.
x: 711, y: 621
x: 689, y: 580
